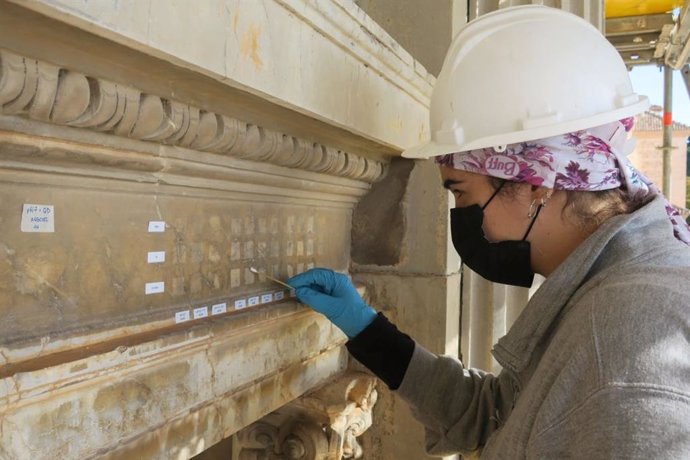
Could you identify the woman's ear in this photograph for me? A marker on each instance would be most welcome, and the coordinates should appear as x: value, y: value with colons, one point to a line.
x: 541, y: 194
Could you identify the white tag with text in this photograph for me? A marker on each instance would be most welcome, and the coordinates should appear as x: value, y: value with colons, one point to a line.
x: 38, y: 218
x: 219, y: 309
x: 155, y: 288
x: 156, y: 226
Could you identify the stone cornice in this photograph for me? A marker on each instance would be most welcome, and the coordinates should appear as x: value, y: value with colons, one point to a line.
x: 44, y: 92
x: 320, y: 70
x: 345, y: 24
x: 48, y: 154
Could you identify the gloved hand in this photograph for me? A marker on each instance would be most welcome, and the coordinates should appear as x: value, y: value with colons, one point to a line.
x: 333, y: 295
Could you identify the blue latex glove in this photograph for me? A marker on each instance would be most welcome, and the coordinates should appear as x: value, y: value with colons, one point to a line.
x: 333, y: 295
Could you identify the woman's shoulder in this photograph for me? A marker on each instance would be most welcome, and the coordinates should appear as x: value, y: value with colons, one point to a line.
x: 639, y: 321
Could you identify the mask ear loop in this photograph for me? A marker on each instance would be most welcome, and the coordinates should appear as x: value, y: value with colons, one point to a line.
x: 534, y: 219
x: 492, y: 196
x: 534, y: 214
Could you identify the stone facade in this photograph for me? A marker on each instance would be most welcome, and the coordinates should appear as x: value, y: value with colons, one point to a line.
x: 150, y: 154
x: 88, y: 327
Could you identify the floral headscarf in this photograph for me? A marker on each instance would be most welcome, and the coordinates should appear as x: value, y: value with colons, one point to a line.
x: 586, y: 160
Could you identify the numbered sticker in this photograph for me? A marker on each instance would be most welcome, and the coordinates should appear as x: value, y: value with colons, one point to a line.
x: 219, y: 308
x: 253, y: 301
x: 280, y: 295
x: 182, y: 316
x: 267, y: 298
x: 38, y: 218
x: 201, y: 312
x: 155, y: 288
x: 156, y: 257
x: 240, y: 304
x: 156, y: 226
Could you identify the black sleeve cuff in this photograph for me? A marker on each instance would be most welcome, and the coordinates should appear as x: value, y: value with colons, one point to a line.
x: 384, y: 350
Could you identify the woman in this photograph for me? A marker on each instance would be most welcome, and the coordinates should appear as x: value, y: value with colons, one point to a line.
x: 598, y: 363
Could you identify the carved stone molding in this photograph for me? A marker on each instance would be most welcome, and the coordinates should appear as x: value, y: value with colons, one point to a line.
x: 323, y: 425
x: 45, y: 92
x: 181, y: 392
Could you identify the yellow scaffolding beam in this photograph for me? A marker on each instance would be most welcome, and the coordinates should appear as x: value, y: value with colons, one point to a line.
x: 622, y: 8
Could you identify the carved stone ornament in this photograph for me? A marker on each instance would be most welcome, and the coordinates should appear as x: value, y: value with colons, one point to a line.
x: 323, y: 425
x: 48, y: 93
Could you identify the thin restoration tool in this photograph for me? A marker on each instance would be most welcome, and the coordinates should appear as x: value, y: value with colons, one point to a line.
x: 264, y: 275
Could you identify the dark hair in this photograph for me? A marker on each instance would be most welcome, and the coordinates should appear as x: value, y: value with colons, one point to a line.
x: 588, y: 209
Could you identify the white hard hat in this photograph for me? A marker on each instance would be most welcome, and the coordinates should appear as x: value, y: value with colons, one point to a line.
x: 525, y: 73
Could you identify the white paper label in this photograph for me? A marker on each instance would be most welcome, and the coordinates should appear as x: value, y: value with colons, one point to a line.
x: 219, y: 309
x: 280, y: 295
x: 201, y: 312
x: 252, y: 301
x: 266, y: 298
x: 155, y: 288
x: 240, y: 304
x: 38, y: 218
x: 156, y: 226
x: 156, y: 257
x: 182, y: 316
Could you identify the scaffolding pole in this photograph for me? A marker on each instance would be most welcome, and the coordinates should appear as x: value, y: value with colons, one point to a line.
x: 667, y: 146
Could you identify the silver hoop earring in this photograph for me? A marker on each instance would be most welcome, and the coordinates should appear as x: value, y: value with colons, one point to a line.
x: 532, y: 209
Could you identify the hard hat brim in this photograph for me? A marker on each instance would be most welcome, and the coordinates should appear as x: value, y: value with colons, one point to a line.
x: 432, y: 148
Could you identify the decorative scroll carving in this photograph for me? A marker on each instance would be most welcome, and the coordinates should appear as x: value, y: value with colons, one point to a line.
x: 323, y: 425
x: 44, y: 92
x: 292, y: 439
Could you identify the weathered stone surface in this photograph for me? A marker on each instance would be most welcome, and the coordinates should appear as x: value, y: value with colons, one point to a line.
x: 422, y: 214
x: 92, y: 271
x: 378, y: 220
x: 324, y: 424
x: 70, y: 98
x: 425, y: 36
x: 251, y: 129
x: 323, y: 59
x: 209, y: 248
x: 91, y: 364
x: 172, y: 396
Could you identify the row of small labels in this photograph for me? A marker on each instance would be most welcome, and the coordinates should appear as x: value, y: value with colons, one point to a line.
x: 220, y: 308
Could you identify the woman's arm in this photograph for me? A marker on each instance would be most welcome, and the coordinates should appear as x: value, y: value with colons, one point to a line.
x: 459, y: 407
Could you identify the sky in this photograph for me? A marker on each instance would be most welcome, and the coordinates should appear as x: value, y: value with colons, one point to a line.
x: 648, y: 80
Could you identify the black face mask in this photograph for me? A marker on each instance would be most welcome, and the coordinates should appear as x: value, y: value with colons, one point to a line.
x: 506, y: 262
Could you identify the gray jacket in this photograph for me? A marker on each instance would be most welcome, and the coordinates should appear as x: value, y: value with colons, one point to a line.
x: 596, y: 366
